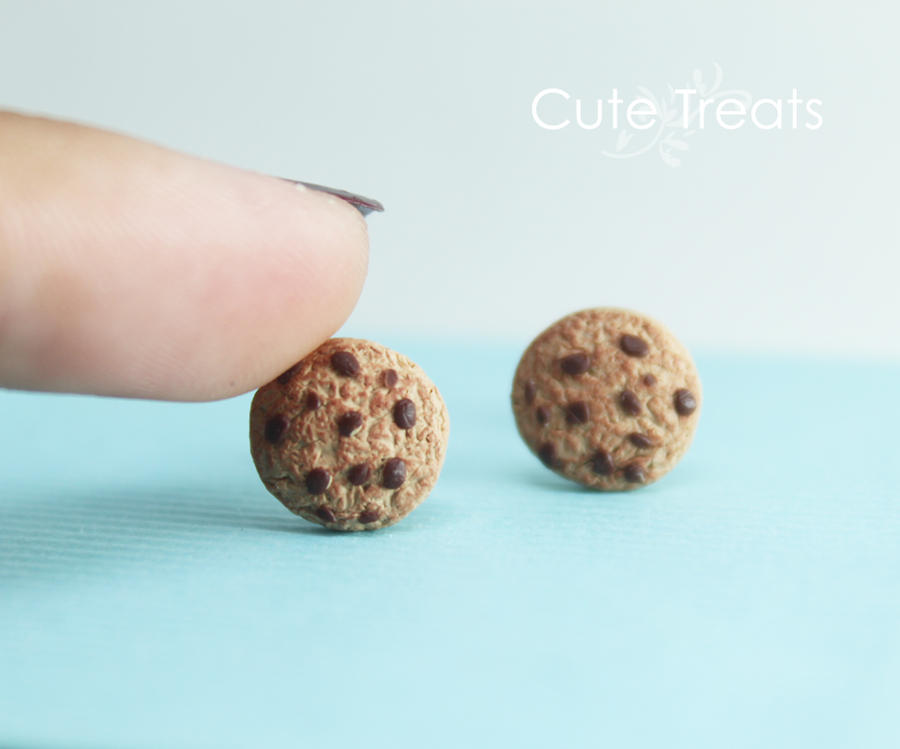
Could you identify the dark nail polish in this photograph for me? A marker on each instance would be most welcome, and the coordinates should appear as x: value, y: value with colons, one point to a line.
x: 364, y: 205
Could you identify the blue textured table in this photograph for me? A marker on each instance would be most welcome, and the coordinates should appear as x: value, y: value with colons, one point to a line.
x: 154, y: 594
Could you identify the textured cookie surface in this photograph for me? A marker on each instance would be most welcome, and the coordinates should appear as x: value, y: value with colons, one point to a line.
x: 608, y: 398
x: 353, y: 437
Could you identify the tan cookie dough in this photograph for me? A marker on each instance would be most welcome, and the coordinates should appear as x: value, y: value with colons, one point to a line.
x: 608, y: 398
x: 353, y: 437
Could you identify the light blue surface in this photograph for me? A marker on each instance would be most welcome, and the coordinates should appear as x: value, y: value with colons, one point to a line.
x: 154, y: 594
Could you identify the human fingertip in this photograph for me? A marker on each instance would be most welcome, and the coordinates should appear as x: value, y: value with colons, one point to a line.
x: 137, y: 271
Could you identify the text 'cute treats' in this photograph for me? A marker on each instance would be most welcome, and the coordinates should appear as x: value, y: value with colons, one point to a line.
x: 353, y: 437
x: 608, y: 398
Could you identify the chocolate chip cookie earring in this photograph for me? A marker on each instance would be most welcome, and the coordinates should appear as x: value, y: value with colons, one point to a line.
x: 608, y: 398
x: 353, y: 437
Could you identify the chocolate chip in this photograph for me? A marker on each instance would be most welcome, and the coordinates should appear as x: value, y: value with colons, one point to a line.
x: 602, y: 463
x: 547, y: 454
x: 405, y: 413
x: 685, y: 402
x: 312, y: 401
x: 629, y: 403
x: 530, y: 392
x: 344, y: 363
x: 389, y: 377
x: 285, y: 377
x: 575, y: 364
x: 577, y: 413
x: 359, y: 474
x: 640, y: 440
x: 542, y: 414
x: 633, y: 346
x: 370, y: 515
x: 349, y: 422
x: 275, y: 428
x: 317, y: 481
x: 393, y: 474
x: 649, y: 380
x: 634, y: 473
x: 325, y: 514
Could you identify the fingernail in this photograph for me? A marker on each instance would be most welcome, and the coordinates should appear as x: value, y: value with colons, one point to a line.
x: 364, y: 205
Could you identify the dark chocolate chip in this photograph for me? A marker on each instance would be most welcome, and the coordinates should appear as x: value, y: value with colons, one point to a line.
x: 530, y: 392
x: 275, y: 428
x: 370, y: 515
x: 634, y: 473
x: 547, y: 454
x: 602, y: 463
x: 312, y: 401
x: 317, y: 481
x: 649, y: 380
x: 542, y: 414
x: 629, y: 403
x: 640, y: 440
x: 633, y: 346
x: 349, y: 422
x: 575, y: 364
x: 344, y: 363
x: 285, y: 377
x: 359, y: 474
x: 577, y: 413
x: 389, y: 377
x: 394, y: 473
x: 405, y: 414
x: 685, y: 402
x: 325, y: 514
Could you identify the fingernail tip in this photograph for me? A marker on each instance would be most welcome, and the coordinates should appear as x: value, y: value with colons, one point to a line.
x: 363, y: 204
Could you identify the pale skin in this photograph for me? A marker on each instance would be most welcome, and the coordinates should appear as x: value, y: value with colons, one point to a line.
x: 131, y: 270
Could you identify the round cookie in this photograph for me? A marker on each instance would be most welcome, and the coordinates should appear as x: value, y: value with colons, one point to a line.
x: 608, y: 398
x: 353, y: 437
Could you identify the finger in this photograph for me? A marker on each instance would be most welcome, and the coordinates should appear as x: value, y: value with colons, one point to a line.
x: 128, y: 269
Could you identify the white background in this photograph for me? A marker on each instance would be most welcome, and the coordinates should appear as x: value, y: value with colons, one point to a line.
x: 775, y: 241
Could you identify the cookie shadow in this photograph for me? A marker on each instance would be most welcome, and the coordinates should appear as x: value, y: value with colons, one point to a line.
x: 559, y: 485
x: 546, y: 481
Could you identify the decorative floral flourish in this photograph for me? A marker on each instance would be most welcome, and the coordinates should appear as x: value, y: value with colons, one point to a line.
x: 670, y: 134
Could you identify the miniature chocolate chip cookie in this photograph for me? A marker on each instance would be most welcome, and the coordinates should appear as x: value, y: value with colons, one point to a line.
x: 608, y: 398
x: 353, y: 437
